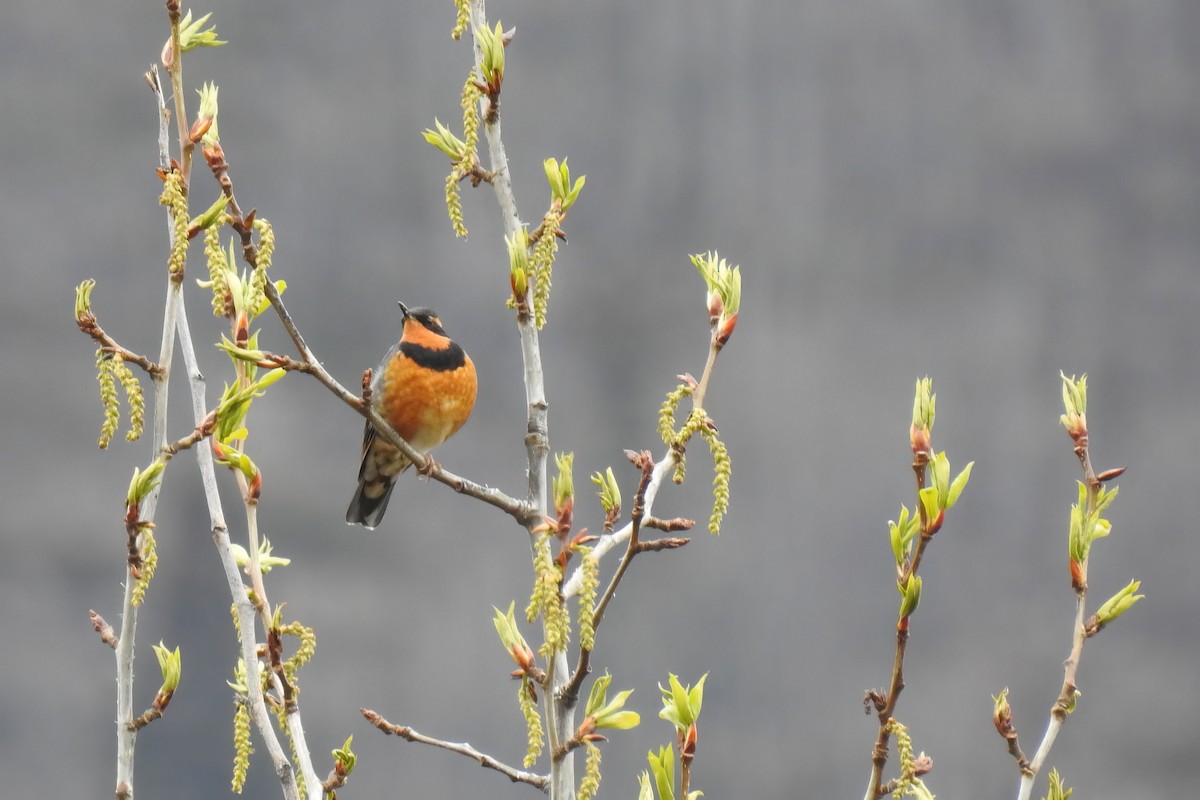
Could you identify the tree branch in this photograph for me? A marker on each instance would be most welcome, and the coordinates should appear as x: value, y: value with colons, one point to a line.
x: 126, y: 734
x: 237, y: 589
x: 408, y: 734
x: 1066, y: 696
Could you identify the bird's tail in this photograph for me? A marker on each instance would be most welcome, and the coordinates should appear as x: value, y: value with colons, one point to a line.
x: 370, y: 501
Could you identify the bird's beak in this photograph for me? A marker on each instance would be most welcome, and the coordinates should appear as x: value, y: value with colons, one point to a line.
x: 403, y: 309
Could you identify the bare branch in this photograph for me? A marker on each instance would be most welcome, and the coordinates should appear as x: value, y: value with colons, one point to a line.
x: 408, y: 734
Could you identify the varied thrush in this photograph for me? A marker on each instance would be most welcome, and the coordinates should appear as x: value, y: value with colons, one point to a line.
x: 425, y: 389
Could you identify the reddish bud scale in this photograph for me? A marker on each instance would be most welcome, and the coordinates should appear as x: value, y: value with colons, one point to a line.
x: 726, y: 330
x: 242, y: 329
x: 919, y: 439
x: 688, y: 750
x: 199, y: 128
x: 214, y: 156
x: 1002, y: 719
x: 1078, y: 575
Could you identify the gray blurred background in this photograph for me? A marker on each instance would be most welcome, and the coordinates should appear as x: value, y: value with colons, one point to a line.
x: 988, y: 191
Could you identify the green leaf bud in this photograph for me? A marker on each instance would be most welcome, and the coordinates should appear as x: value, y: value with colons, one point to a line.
x: 1118, y: 604
x: 171, y: 664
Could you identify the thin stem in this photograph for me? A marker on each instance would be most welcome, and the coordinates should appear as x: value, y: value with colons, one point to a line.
x: 126, y: 733
x: 633, y: 548
x: 886, y: 706
x: 702, y: 387
x: 662, y: 469
x: 408, y: 734
x: 175, y: 70
x: 237, y: 589
x: 1060, y: 709
x: 1066, y: 696
x: 559, y: 708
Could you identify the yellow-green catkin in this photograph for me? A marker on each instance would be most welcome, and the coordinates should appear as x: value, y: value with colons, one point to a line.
x: 108, y: 397
x: 591, y: 773
x: 547, y: 601
x: 219, y: 269
x: 680, y: 465
x: 533, y: 723
x: 470, y: 108
x: 304, y: 652
x: 542, y: 265
x: 454, y: 203
x: 905, y: 751
x: 723, y: 471
x: 133, y: 394
x: 242, y: 747
x: 175, y: 200
x: 462, y: 18
x: 666, y: 414
x: 590, y: 571
x: 558, y: 621
x: 149, y: 553
x: 266, y: 250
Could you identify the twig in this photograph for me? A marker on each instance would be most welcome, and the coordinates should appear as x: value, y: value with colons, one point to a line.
x: 214, y: 156
x: 175, y: 71
x: 408, y: 734
x: 88, y: 324
x: 126, y: 735
x: 1066, y: 696
x: 701, y: 390
x: 559, y: 709
x: 638, y: 512
x: 237, y: 589
x: 645, y: 462
x: 607, y: 543
x: 885, y: 704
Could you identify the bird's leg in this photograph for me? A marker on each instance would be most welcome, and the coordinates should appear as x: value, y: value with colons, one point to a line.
x: 367, y: 377
x: 426, y: 467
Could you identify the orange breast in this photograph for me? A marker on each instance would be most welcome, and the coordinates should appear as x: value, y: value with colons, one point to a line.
x: 426, y: 406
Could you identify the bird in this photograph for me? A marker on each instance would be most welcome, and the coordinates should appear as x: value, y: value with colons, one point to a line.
x: 425, y: 388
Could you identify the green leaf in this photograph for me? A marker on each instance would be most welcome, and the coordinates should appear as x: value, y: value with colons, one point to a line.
x: 929, y: 502
x: 696, y: 696
x: 621, y: 720
x: 663, y: 768
x: 959, y: 483
x: 596, y: 698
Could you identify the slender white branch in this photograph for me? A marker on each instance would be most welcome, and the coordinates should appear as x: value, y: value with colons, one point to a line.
x: 1057, y: 716
x: 618, y: 537
x: 559, y: 711
x: 237, y: 589
x: 126, y: 734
